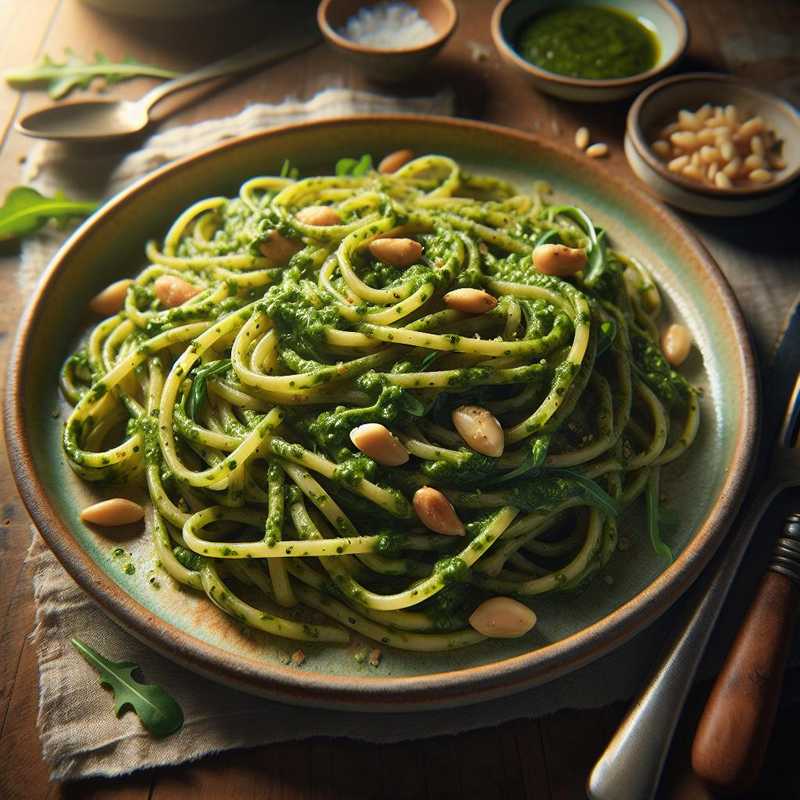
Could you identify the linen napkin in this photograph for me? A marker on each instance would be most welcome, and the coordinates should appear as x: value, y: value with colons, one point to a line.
x: 80, y: 735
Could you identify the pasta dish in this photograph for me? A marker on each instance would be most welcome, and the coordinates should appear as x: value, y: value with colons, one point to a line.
x: 378, y: 401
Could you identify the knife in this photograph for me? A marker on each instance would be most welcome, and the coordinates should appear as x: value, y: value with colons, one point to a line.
x: 632, y: 763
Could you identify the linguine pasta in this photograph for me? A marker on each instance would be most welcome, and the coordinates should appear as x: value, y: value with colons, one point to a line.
x: 236, y: 406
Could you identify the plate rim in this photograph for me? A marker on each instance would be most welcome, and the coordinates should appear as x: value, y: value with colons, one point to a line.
x: 366, y: 693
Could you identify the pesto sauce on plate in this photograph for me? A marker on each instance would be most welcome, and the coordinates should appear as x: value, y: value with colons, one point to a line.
x: 588, y: 42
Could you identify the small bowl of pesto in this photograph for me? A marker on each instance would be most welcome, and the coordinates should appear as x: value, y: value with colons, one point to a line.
x: 590, y: 50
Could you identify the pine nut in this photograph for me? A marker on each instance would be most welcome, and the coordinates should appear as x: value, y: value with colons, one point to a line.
x: 396, y: 252
x: 727, y: 150
x: 278, y: 249
x: 731, y: 170
x: 709, y: 154
x: 694, y: 159
x: 479, y: 429
x: 722, y: 181
x: 111, y: 299
x: 757, y: 145
x: 676, y: 342
x: 706, y: 136
x: 598, y: 150
x: 713, y: 168
x: 378, y: 442
x: 776, y: 162
x: 582, y: 138
x: 693, y: 171
x: 704, y: 112
x: 394, y: 161
x: 685, y: 139
x: 436, y: 512
x: 502, y: 618
x: 753, y: 162
x: 318, y: 215
x: 687, y: 121
x: 109, y: 513
x: 716, y: 120
x: 750, y: 128
x: 731, y: 114
x: 661, y: 148
x: 558, y: 259
x: 760, y: 176
x: 470, y: 301
x: 172, y: 291
x: 677, y: 164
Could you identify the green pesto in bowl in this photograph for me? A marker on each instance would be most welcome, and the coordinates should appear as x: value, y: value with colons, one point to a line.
x: 588, y: 42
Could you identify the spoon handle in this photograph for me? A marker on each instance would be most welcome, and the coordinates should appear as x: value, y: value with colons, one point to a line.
x: 255, y: 56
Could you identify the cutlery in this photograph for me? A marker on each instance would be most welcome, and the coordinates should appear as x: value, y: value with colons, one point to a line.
x: 106, y: 120
x: 735, y: 727
x: 632, y: 763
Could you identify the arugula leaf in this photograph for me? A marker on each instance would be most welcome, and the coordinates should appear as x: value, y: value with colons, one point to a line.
x: 25, y: 211
x: 159, y: 712
x: 547, y: 236
x: 354, y: 167
x: 596, y: 259
x: 534, y: 460
x: 607, y: 334
x: 199, y: 390
x: 428, y: 360
x: 591, y: 491
x: 288, y: 171
x: 577, y: 215
x: 651, y: 503
x: 74, y: 73
x: 411, y: 405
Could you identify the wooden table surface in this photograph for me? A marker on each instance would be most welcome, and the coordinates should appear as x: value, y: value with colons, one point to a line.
x: 545, y: 758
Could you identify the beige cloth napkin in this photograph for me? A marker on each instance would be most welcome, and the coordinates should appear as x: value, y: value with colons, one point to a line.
x: 80, y: 735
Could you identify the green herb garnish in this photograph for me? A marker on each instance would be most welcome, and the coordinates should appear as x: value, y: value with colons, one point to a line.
x: 199, y: 390
x: 74, y: 73
x: 535, y: 459
x: 353, y: 166
x: 25, y: 211
x: 653, y: 528
x: 159, y: 712
x: 428, y: 360
x: 288, y: 171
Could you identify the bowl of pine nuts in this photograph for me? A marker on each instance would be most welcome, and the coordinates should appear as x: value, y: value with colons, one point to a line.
x: 714, y: 144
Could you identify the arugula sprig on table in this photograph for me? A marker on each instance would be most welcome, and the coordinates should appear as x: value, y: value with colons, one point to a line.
x: 74, y: 72
x: 25, y: 211
x: 159, y: 712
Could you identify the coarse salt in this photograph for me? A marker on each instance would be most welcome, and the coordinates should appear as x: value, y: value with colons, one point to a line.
x: 391, y: 24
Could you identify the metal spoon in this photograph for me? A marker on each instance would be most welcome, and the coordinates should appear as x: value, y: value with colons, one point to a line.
x: 105, y: 120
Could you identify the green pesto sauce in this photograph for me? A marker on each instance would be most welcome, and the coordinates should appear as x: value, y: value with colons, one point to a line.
x: 588, y: 42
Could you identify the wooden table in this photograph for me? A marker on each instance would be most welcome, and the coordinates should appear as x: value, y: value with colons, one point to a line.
x: 546, y: 758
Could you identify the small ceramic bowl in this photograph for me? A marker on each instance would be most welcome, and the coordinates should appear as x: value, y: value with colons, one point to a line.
x: 662, y: 17
x: 388, y: 65
x: 158, y: 9
x: 660, y: 104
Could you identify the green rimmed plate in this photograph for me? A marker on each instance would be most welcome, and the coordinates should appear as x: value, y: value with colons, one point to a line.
x: 573, y: 629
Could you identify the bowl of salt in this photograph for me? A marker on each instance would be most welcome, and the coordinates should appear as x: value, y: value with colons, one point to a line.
x: 387, y: 39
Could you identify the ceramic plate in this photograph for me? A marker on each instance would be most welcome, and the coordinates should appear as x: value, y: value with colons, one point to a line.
x: 573, y: 628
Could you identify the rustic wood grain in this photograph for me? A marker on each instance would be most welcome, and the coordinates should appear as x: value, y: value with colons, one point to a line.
x: 542, y: 759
